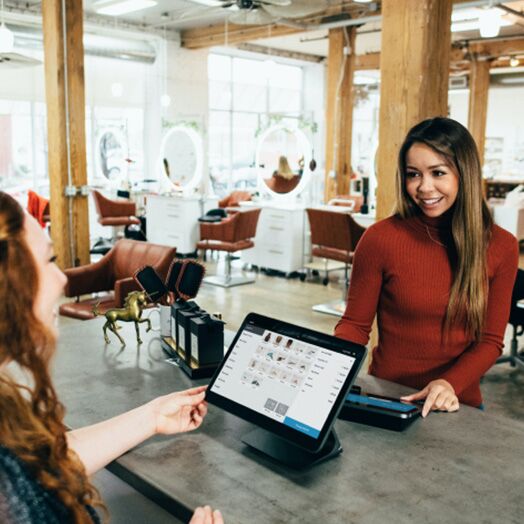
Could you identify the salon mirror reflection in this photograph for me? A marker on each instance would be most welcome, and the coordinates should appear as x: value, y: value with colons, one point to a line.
x: 181, y: 157
x: 281, y: 159
x: 111, y: 155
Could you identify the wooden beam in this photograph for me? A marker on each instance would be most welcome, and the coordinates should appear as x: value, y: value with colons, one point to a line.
x: 339, y: 111
x: 416, y: 43
x: 64, y: 74
x: 497, y: 48
x: 478, y: 102
x: 221, y: 34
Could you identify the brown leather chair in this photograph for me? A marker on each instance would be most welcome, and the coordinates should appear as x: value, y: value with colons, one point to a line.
x: 234, y: 198
x: 279, y: 184
x: 233, y: 233
x: 113, y: 272
x: 114, y: 212
x: 334, y: 236
x: 353, y: 201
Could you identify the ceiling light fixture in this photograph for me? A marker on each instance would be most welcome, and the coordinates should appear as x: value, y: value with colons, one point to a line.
x: 514, y: 61
x: 122, y: 7
x: 7, y: 38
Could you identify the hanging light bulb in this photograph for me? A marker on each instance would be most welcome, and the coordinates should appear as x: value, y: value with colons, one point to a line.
x: 514, y: 61
x: 165, y: 100
x: 489, y: 22
x: 7, y: 38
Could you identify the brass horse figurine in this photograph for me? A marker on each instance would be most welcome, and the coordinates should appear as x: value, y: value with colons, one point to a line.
x: 131, y: 312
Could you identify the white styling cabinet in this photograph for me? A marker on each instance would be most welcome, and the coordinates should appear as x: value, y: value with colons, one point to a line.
x: 173, y: 220
x: 279, y: 243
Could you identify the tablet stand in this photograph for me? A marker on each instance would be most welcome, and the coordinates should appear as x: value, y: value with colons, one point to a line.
x: 290, y: 454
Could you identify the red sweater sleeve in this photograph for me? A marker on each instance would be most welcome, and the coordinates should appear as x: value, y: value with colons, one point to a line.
x: 471, y: 365
x: 364, y: 289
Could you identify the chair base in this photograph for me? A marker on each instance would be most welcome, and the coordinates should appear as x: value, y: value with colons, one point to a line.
x: 514, y: 360
x: 228, y: 281
x: 335, y: 307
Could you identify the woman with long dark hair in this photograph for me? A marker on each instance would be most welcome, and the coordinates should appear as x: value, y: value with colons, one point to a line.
x: 44, y: 469
x: 438, y: 274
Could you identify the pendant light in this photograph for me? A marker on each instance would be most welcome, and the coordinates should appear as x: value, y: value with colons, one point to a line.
x: 7, y: 38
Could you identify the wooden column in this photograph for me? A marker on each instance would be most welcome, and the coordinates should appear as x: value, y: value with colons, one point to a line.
x: 478, y: 102
x: 414, y: 65
x: 64, y: 74
x: 339, y: 110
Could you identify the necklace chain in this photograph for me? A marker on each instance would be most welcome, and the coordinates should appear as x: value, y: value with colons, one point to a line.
x: 429, y: 235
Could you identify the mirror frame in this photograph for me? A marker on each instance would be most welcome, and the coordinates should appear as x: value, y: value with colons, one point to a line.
x: 196, y: 139
x: 306, y: 175
x: 125, y: 166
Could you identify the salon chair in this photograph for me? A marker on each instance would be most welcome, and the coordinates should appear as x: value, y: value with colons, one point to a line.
x: 516, y: 319
x: 232, y: 234
x: 114, y: 213
x: 113, y: 273
x: 38, y: 207
x: 354, y: 202
x: 279, y: 184
x: 334, y: 236
x: 233, y: 199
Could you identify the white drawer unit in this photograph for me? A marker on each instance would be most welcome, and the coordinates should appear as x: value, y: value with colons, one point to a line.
x: 279, y: 243
x: 173, y: 221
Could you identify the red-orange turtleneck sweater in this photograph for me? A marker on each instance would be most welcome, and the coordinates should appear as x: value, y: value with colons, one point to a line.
x: 402, y: 272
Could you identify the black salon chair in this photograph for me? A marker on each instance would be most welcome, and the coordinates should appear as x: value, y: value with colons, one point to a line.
x: 516, y: 319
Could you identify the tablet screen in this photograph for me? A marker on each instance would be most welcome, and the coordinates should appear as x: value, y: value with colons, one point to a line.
x: 290, y: 379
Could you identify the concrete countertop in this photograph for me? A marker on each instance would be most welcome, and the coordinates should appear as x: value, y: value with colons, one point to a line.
x: 461, y: 467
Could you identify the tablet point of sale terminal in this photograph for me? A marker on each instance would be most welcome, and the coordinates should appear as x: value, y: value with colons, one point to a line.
x: 291, y: 382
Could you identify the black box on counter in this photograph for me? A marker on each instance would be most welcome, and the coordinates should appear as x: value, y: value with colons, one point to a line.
x: 207, y: 340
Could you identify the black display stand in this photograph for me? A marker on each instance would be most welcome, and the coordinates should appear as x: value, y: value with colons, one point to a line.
x: 192, y: 372
x: 288, y: 453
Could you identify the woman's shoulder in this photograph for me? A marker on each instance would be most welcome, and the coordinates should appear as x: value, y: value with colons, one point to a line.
x: 386, y: 229
x: 501, y: 238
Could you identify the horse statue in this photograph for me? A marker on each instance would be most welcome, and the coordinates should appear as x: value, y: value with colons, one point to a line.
x: 131, y: 312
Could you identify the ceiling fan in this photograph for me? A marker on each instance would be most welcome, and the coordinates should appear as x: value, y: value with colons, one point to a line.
x: 255, y: 12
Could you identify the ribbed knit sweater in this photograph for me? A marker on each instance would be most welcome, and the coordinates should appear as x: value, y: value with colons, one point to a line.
x: 402, y: 272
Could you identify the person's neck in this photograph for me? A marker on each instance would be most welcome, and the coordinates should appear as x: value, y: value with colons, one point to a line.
x: 439, y: 222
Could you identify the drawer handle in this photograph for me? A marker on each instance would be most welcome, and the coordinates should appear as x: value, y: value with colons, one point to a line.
x: 276, y: 228
x: 173, y: 216
x: 276, y: 251
x: 280, y: 217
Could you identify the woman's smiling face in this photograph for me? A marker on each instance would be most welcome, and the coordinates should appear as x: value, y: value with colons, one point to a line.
x: 431, y: 182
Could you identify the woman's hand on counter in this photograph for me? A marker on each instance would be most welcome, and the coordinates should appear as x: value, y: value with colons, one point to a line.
x: 206, y: 515
x: 439, y: 395
x: 179, y: 412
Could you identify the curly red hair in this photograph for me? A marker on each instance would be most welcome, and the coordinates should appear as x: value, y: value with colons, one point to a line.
x: 31, y: 416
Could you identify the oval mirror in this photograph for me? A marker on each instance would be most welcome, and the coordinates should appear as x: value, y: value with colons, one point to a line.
x: 180, y: 160
x: 111, y: 154
x: 283, y: 157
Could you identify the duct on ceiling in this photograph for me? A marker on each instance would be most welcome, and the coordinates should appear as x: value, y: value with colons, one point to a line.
x: 94, y: 45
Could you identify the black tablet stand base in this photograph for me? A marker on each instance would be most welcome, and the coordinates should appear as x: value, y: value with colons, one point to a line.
x: 288, y: 453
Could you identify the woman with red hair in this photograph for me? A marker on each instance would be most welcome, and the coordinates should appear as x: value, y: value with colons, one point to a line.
x: 45, y: 469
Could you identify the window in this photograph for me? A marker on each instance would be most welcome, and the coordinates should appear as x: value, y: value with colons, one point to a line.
x: 245, y: 97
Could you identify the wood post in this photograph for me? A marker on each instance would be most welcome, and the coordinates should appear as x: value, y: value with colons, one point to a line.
x: 478, y: 102
x: 64, y: 74
x: 339, y: 110
x: 414, y: 63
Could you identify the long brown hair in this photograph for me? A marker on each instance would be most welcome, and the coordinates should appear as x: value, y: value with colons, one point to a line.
x: 471, y: 223
x: 31, y: 417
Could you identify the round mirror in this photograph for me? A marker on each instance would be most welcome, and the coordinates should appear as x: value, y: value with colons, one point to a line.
x: 283, y: 157
x: 111, y: 154
x: 180, y: 159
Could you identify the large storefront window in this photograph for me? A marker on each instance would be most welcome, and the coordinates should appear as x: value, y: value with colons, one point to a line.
x: 245, y: 97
